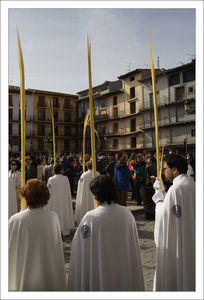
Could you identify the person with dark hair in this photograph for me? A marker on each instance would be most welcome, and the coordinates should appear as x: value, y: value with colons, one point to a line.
x: 111, y: 166
x: 84, y: 197
x: 105, y: 253
x: 61, y: 199
x: 122, y: 178
x: 175, y: 228
x: 36, y: 258
x: 101, y: 163
x: 31, y: 169
x: 140, y: 175
x: 48, y: 171
x: 131, y: 162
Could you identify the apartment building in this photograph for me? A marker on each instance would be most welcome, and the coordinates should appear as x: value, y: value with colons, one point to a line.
x: 38, y: 121
x: 14, y: 119
x: 176, y: 109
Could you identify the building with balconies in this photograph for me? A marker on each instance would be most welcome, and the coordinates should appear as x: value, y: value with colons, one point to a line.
x: 64, y: 112
x: 15, y: 117
x: 39, y: 138
x: 175, y: 89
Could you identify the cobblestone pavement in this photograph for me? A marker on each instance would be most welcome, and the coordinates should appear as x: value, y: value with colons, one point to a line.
x: 147, y: 247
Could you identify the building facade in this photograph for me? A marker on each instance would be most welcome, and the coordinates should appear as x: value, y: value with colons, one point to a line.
x: 176, y: 109
x: 38, y: 121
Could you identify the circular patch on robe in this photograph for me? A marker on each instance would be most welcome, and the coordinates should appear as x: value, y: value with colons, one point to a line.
x: 85, y: 231
x: 176, y: 209
x: 81, y: 179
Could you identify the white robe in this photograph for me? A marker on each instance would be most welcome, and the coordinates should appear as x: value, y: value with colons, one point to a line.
x: 175, y: 238
x: 36, y: 259
x: 12, y: 198
x: 61, y: 201
x: 84, y: 198
x: 106, y: 256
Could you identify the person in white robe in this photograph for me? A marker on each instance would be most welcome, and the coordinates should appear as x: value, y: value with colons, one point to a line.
x: 12, y: 198
x: 84, y: 197
x: 36, y: 259
x: 105, y: 254
x: 175, y: 228
x: 61, y: 199
x: 15, y: 174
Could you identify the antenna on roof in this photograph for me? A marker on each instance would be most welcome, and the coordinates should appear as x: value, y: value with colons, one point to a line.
x: 157, y: 62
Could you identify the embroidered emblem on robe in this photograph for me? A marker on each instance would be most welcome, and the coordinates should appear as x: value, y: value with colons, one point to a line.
x: 85, y: 231
x: 176, y: 209
x: 81, y: 179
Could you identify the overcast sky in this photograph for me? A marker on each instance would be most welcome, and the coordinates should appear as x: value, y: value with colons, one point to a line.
x: 55, y: 51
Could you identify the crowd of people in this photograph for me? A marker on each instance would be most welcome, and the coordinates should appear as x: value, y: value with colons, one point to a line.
x: 106, y: 242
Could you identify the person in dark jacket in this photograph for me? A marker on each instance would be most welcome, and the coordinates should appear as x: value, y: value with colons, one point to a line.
x: 122, y: 178
x: 140, y: 174
x: 31, y: 169
x: 111, y: 166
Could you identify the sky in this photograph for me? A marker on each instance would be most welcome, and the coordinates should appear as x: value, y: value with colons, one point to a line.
x: 54, y: 43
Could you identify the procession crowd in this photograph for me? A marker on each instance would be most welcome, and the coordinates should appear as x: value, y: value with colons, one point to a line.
x: 105, y: 244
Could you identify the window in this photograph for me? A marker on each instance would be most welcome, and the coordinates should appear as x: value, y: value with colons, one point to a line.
x: 115, y: 127
x: 67, y: 130
x: 192, y: 132
x: 132, y: 92
x: 191, y: 89
x: 10, y: 114
x: 133, y: 142
x: 133, y: 125
x: 41, y: 115
x: 115, y: 112
x: 41, y: 101
x: 55, y: 114
x: 103, y: 103
x: 179, y: 93
x: 55, y: 102
x: 103, y: 129
x: 174, y: 79
x: 132, y: 78
x: 66, y: 145
x: 151, y: 100
x: 41, y: 130
x: 67, y: 117
x: 115, y: 144
x: 189, y: 75
x: 66, y: 103
x: 10, y: 129
x: 56, y: 130
x: 15, y: 142
x: 132, y: 107
x: 19, y: 129
x: 40, y: 145
x: 115, y: 102
x: 10, y: 100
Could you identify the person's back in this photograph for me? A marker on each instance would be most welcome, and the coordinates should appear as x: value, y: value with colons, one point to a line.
x: 105, y: 252
x: 34, y: 229
x: 61, y: 200
x: 84, y: 197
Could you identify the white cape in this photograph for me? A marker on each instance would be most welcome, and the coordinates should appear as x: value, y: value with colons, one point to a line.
x: 84, y: 198
x: 36, y: 259
x: 105, y: 254
x: 12, y: 198
x: 61, y: 202
x: 175, y: 238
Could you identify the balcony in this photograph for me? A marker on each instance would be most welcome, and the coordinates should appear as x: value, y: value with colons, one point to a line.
x: 101, y: 117
x: 41, y: 105
x: 65, y: 106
